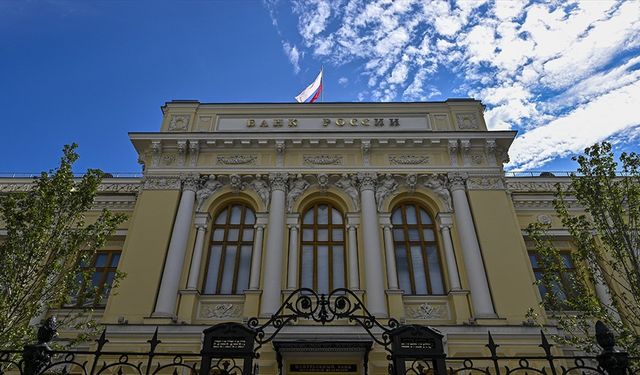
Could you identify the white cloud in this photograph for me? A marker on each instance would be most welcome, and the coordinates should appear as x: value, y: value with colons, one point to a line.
x: 293, y: 55
x: 343, y: 81
x: 538, y: 66
x: 593, y: 122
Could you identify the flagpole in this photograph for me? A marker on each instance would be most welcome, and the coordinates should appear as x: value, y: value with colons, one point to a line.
x: 322, y: 84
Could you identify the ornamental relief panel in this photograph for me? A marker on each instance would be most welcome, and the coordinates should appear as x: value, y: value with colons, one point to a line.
x: 429, y: 310
x: 179, y: 122
x: 409, y: 159
x: 215, y: 311
x: 323, y: 159
x: 467, y: 120
x: 236, y: 159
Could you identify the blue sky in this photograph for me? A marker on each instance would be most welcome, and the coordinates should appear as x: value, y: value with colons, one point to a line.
x: 564, y: 74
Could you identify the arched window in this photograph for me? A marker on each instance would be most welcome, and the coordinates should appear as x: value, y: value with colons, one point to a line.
x: 416, y: 249
x: 323, y: 256
x: 229, y: 261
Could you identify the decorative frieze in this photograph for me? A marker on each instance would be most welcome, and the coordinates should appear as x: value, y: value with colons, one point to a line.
x: 485, y: 183
x: 536, y: 186
x: 322, y: 159
x: 161, y: 183
x: 237, y: 159
x: 408, y: 159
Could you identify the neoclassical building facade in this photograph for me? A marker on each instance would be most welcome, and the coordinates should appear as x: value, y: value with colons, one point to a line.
x: 405, y: 204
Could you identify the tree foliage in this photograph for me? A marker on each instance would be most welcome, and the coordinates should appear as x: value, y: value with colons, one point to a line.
x: 606, y: 237
x: 47, y: 241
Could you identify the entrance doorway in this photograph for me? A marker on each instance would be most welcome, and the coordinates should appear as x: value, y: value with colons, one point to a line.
x: 328, y: 358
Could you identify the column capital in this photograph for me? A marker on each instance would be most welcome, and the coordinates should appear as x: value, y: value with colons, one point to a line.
x: 293, y: 226
x: 259, y: 226
x: 278, y: 181
x: 457, y: 181
x: 368, y: 181
x: 444, y: 220
x: 352, y: 226
x: 190, y: 183
x: 386, y: 226
x: 202, y: 218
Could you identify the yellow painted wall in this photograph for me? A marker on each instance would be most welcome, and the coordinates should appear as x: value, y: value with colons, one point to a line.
x: 504, y: 253
x: 143, y: 256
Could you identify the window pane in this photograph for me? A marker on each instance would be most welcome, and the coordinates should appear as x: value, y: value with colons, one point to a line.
x: 213, y: 267
x: 336, y: 216
x: 249, y: 217
x: 404, y: 279
x: 414, y: 235
x: 247, y: 234
x: 306, y: 271
x: 323, y: 214
x: 114, y: 259
x: 338, y: 235
x: 101, y: 259
x: 420, y: 278
x: 323, y: 269
x: 218, y: 234
x: 411, y: 215
x: 95, y: 279
x: 323, y: 235
x: 235, y: 214
x: 107, y: 285
x: 534, y: 260
x: 435, y: 275
x: 307, y: 234
x: 338, y: 267
x: 308, y: 217
x: 228, y: 269
x: 398, y: 234
x: 424, y: 217
x: 429, y: 235
x: 396, y: 218
x: 566, y: 260
x: 232, y: 235
x: 222, y: 217
x: 244, y: 270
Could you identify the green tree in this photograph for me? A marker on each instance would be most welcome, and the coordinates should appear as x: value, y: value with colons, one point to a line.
x: 46, y: 244
x: 606, y: 238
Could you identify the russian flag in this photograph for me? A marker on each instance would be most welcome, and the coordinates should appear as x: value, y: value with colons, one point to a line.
x: 312, y: 91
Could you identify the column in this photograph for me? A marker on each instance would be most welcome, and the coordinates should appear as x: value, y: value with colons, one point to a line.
x: 256, y: 259
x: 194, y: 271
x: 354, y: 277
x: 168, y: 293
x: 603, y: 293
x: 445, y: 221
x: 275, y: 234
x: 392, y: 273
x: 480, y: 294
x: 292, y: 272
x: 371, y: 233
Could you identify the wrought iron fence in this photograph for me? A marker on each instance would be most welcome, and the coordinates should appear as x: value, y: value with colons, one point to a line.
x: 40, y: 359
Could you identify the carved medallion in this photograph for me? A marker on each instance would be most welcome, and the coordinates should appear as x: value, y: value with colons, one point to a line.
x: 221, y: 311
x: 428, y: 311
x: 467, y: 121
